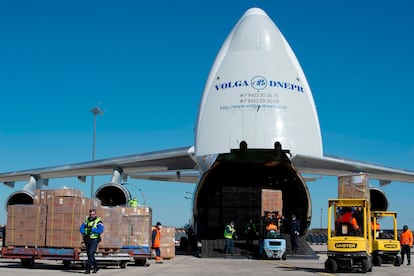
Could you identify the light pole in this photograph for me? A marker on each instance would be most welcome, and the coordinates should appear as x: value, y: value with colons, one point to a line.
x: 95, y: 111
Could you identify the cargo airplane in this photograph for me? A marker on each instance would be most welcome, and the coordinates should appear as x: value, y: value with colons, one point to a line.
x: 257, y: 128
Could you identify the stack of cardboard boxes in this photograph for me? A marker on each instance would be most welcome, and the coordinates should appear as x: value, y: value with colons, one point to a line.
x: 26, y: 225
x: 112, y: 224
x: 135, y: 226
x: 353, y: 186
x: 272, y: 201
x: 66, y: 210
x: 56, y: 215
x: 167, y: 243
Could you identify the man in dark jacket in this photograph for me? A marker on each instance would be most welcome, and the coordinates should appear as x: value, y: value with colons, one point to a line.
x: 294, y: 233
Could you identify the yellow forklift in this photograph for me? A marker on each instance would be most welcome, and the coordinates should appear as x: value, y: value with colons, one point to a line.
x: 385, y: 245
x: 349, y: 245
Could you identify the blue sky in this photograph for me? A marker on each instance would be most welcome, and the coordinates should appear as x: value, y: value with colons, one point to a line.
x: 145, y: 64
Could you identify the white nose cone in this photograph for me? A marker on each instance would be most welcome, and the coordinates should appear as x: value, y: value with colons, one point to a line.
x: 257, y: 92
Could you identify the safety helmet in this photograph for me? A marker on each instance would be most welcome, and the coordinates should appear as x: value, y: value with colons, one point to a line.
x: 405, y: 227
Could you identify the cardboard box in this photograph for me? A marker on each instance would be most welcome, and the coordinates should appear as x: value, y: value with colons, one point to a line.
x: 43, y: 196
x: 26, y: 238
x: 135, y: 225
x: 353, y: 186
x: 271, y: 201
x: 136, y: 230
x: 112, y: 220
x: 26, y: 225
x: 62, y: 221
x: 140, y: 210
x: 167, y: 242
x: 68, y: 238
x: 167, y: 252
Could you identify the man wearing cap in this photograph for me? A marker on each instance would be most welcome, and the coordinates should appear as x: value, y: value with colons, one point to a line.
x: 156, y: 242
x: 406, y: 241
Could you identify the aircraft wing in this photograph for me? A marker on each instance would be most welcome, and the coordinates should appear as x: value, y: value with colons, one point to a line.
x: 334, y: 166
x: 185, y: 176
x: 166, y: 162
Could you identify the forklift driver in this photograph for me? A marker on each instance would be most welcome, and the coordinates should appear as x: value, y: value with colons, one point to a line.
x: 354, y: 223
x: 272, y: 231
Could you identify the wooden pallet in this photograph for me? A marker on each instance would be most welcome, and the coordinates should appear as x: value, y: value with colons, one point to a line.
x: 107, y: 250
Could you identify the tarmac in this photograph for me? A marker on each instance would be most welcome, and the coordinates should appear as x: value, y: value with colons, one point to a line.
x: 191, y: 265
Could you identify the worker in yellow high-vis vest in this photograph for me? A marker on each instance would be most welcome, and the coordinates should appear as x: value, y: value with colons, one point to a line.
x: 229, y: 233
x: 91, y: 229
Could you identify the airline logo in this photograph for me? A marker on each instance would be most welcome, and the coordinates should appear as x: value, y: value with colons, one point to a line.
x: 345, y: 245
x: 259, y: 83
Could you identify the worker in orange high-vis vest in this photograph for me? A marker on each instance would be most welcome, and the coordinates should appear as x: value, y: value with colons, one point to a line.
x: 355, y: 226
x: 406, y: 241
x: 156, y: 242
x: 377, y: 228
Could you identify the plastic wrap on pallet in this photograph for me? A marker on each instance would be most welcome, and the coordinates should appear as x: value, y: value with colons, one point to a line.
x: 136, y: 224
x: 167, y: 242
x: 26, y: 225
x: 353, y: 186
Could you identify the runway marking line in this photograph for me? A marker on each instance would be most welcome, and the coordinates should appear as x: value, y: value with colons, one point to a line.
x: 283, y: 264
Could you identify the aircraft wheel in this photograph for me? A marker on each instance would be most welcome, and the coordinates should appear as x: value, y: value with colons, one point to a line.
x: 331, y: 266
x: 397, y: 261
x: 140, y: 262
x: 27, y: 262
x: 66, y: 264
x: 365, y: 266
x: 377, y: 260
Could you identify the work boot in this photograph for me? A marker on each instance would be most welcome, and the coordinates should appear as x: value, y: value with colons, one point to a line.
x: 87, y: 271
x: 158, y: 260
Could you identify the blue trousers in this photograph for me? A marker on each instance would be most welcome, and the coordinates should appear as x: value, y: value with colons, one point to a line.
x: 158, y: 252
x: 229, y: 246
x: 91, y: 247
